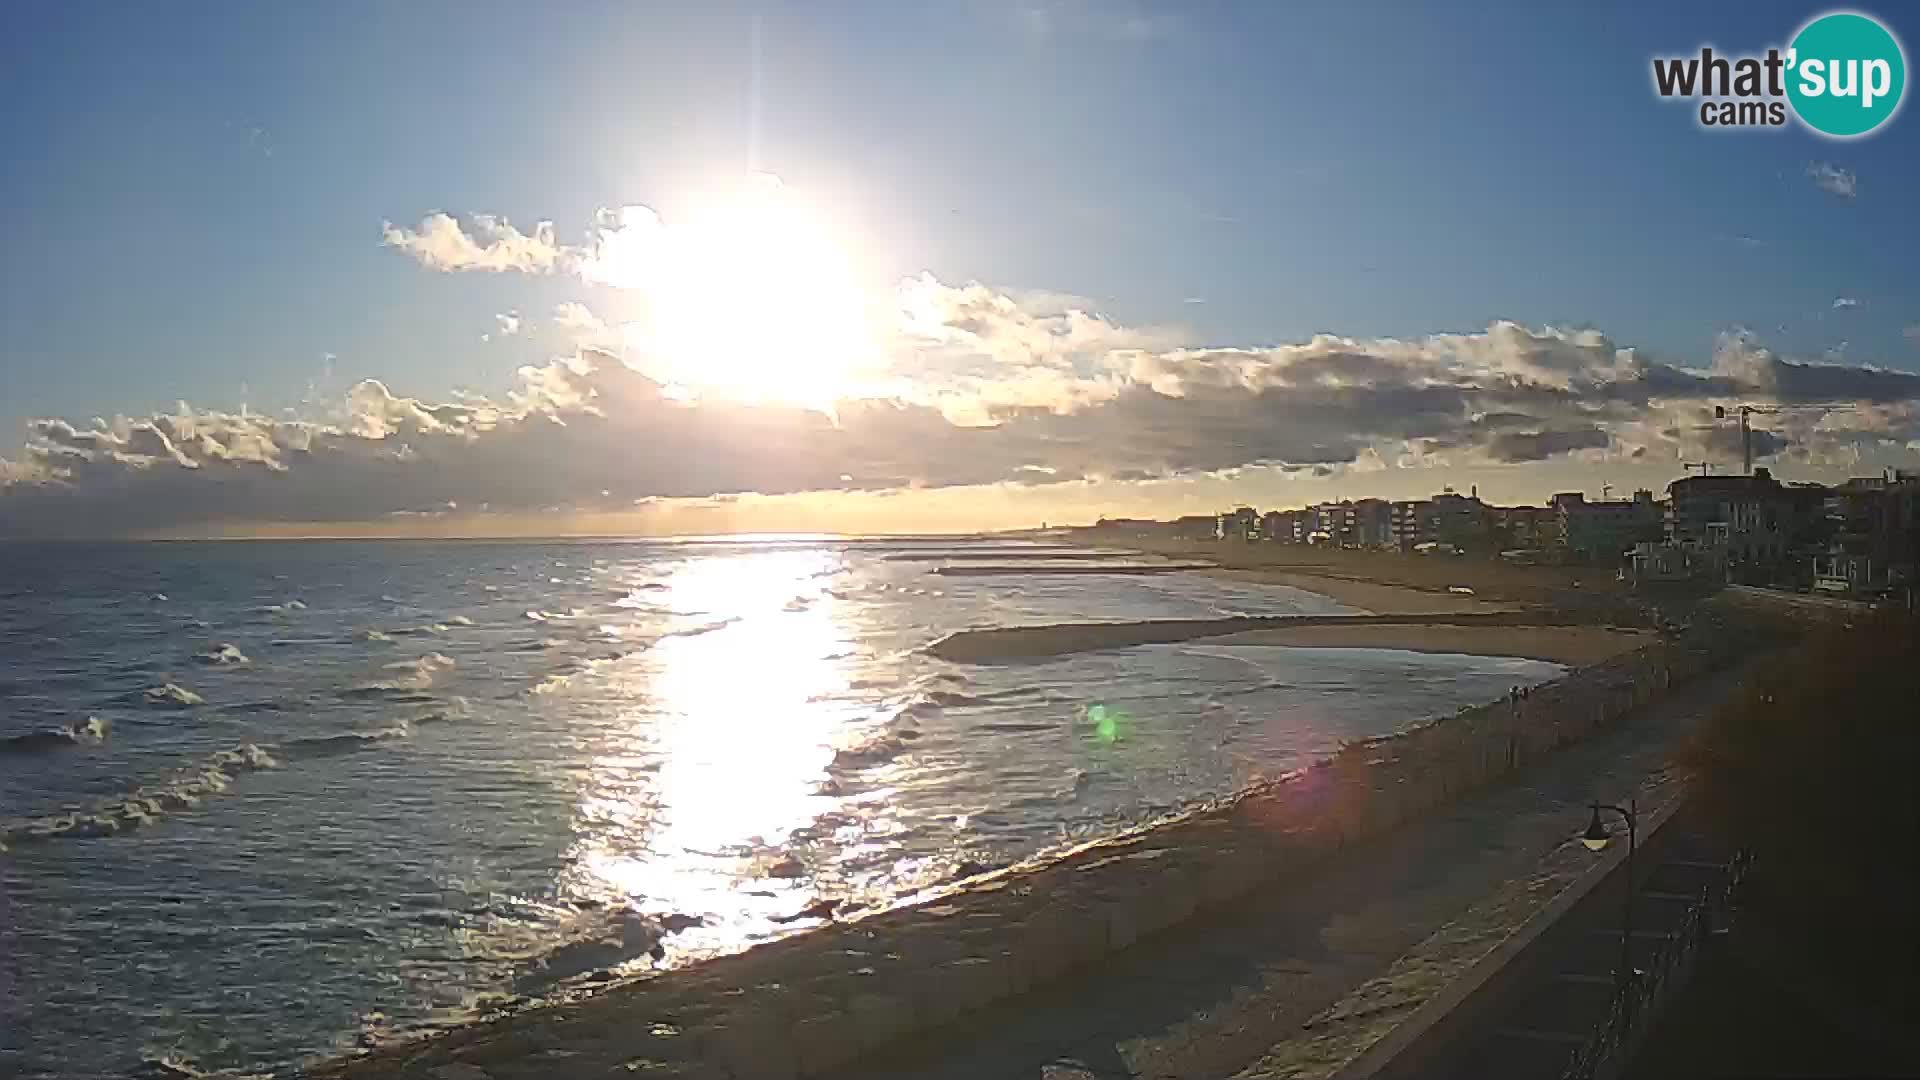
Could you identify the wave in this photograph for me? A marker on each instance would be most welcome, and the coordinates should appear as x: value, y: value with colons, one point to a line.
x: 703, y: 628
x: 144, y: 805
x: 282, y: 609
x: 536, y: 645
x: 610, y: 941
x: 171, y: 1066
x: 344, y: 743
x: 224, y: 654
x: 453, y: 708
x: 876, y: 752
x: 259, y: 705
x: 635, y: 601
x: 92, y: 730
x: 424, y: 665
x: 375, y: 635
x: 413, y: 675
x: 172, y: 696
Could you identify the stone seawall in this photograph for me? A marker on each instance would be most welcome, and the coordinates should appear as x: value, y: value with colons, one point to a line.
x: 812, y: 1003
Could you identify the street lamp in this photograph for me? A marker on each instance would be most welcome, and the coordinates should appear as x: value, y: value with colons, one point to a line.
x: 1597, y: 838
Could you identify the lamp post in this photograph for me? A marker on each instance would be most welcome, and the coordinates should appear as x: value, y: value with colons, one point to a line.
x: 1597, y: 838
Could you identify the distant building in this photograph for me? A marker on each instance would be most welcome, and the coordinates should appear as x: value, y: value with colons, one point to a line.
x: 1663, y: 563
x: 1461, y: 522
x: 1873, y: 540
x: 1749, y: 520
x: 1408, y: 523
x: 1534, y: 529
x: 1241, y: 524
x: 1196, y: 526
x: 1605, y: 531
x: 1372, y: 523
x: 1275, y: 526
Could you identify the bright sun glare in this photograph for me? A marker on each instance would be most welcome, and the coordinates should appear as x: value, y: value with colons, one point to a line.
x: 749, y: 299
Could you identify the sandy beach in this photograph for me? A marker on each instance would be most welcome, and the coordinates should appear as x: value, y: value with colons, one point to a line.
x: 1372, y: 597
x: 1575, y: 646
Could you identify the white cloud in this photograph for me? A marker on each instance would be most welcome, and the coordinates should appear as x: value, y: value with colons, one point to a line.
x: 983, y: 387
x: 1833, y: 180
x: 439, y: 242
x: 577, y: 317
x: 508, y: 323
x: 1912, y: 333
x: 1842, y: 303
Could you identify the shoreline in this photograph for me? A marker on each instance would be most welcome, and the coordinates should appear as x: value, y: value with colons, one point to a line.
x: 813, y: 1003
x: 868, y: 1006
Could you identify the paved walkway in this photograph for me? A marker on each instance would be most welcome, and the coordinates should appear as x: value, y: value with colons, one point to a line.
x: 1351, y: 948
x: 1548, y: 1015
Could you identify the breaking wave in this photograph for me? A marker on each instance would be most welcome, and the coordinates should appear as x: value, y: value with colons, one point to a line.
x: 410, y: 676
x: 144, y: 805
x: 344, y: 743
x: 224, y: 654
x: 878, y: 751
x: 172, y: 696
x: 92, y: 730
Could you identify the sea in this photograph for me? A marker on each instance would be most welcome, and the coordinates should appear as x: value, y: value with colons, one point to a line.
x: 266, y: 801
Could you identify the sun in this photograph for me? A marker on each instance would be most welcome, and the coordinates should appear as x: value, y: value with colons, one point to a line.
x: 750, y: 299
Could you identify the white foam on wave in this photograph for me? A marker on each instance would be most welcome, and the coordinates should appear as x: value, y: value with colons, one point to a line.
x: 92, y: 730
x: 172, y: 1066
x: 144, y: 805
x: 877, y: 751
x: 415, y: 674
x: 172, y: 696
x: 343, y: 743
x: 225, y: 654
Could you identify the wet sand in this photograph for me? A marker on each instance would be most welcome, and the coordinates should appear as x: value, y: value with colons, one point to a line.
x: 1575, y: 646
x: 1371, y: 597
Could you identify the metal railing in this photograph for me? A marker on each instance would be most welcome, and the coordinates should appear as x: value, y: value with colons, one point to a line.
x: 1632, y: 1008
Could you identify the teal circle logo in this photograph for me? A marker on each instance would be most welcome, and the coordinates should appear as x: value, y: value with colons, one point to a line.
x: 1846, y: 74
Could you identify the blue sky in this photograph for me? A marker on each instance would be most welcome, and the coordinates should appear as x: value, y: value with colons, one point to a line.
x: 195, y: 194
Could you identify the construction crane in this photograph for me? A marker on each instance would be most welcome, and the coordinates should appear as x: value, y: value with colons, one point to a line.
x: 1746, y: 430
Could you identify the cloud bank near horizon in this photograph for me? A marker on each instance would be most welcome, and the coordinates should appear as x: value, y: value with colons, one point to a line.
x: 984, y: 388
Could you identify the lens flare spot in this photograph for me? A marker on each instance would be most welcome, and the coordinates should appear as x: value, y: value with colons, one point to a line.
x: 1106, y: 723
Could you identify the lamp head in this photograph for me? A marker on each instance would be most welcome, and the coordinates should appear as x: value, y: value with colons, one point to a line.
x: 1596, y: 836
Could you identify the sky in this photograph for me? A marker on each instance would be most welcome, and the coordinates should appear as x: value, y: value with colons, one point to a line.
x: 282, y: 269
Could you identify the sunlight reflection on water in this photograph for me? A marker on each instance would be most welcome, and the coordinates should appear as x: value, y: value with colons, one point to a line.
x: 730, y: 735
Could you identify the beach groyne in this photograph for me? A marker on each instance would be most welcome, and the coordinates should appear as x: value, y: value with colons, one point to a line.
x: 815, y: 1002
x: 1010, y: 644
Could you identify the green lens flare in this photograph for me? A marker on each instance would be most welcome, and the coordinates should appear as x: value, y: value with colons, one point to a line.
x: 1106, y: 723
